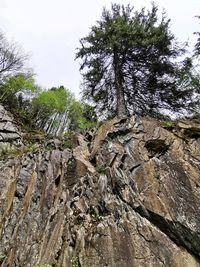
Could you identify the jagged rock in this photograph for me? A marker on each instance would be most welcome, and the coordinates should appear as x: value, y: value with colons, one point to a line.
x: 9, y: 132
x: 189, y: 128
x: 126, y: 197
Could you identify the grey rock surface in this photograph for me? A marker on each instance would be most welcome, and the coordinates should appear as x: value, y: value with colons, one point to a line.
x: 9, y: 132
x: 127, y: 197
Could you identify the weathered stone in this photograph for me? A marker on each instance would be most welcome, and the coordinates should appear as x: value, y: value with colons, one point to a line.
x: 128, y: 197
x: 9, y: 132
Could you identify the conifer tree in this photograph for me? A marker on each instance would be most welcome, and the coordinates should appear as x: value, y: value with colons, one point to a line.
x: 128, y: 62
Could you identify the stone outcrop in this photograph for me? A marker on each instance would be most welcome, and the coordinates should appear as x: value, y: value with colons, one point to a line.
x: 127, y: 195
x: 9, y: 132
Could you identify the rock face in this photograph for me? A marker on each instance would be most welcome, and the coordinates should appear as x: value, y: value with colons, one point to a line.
x: 127, y: 195
x: 9, y: 132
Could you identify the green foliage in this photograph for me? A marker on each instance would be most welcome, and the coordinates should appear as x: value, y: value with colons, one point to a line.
x: 2, y: 257
x: 50, y: 109
x: 16, y: 81
x: 168, y: 125
x: 69, y: 140
x: 14, y: 152
x: 15, y: 84
x: 82, y: 116
x: 15, y: 94
x: 101, y: 169
x: 95, y: 214
x: 9, y: 152
x: 54, y: 110
x: 196, y: 117
x: 130, y: 62
x: 75, y: 114
x: 32, y: 148
x: 14, y: 89
x: 75, y: 262
x: 51, y: 101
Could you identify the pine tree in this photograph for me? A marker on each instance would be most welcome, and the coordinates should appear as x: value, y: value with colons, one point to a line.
x: 128, y: 62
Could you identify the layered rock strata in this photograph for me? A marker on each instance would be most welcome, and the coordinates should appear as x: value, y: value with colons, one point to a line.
x: 126, y: 195
x: 9, y: 133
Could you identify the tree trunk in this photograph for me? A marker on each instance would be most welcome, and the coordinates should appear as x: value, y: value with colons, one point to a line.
x: 49, y: 128
x: 121, y: 105
x: 64, y: 122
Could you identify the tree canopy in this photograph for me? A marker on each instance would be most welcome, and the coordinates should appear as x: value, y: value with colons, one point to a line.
x: 129, y: 64
x: 54, y: 110
x: 81, y: 116
x: 12, y: 59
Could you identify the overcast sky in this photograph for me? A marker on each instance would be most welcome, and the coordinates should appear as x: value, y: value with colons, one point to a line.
x: 49, y: 30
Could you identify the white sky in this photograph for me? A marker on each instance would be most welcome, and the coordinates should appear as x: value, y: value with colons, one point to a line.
x: 49, y: 30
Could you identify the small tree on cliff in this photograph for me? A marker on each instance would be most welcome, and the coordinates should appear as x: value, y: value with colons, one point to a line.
x: 128, y: 63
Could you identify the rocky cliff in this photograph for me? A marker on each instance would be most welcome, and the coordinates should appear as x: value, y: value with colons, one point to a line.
x: 127, y: 195
x: 9, y: 132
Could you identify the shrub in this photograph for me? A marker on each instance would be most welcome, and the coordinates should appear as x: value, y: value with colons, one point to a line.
x: 75, y: 261
x: 196, y: 116
x: 69, y: 140
x: 101, y: 169
x: 168, y: 125
x: 2, y: 257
